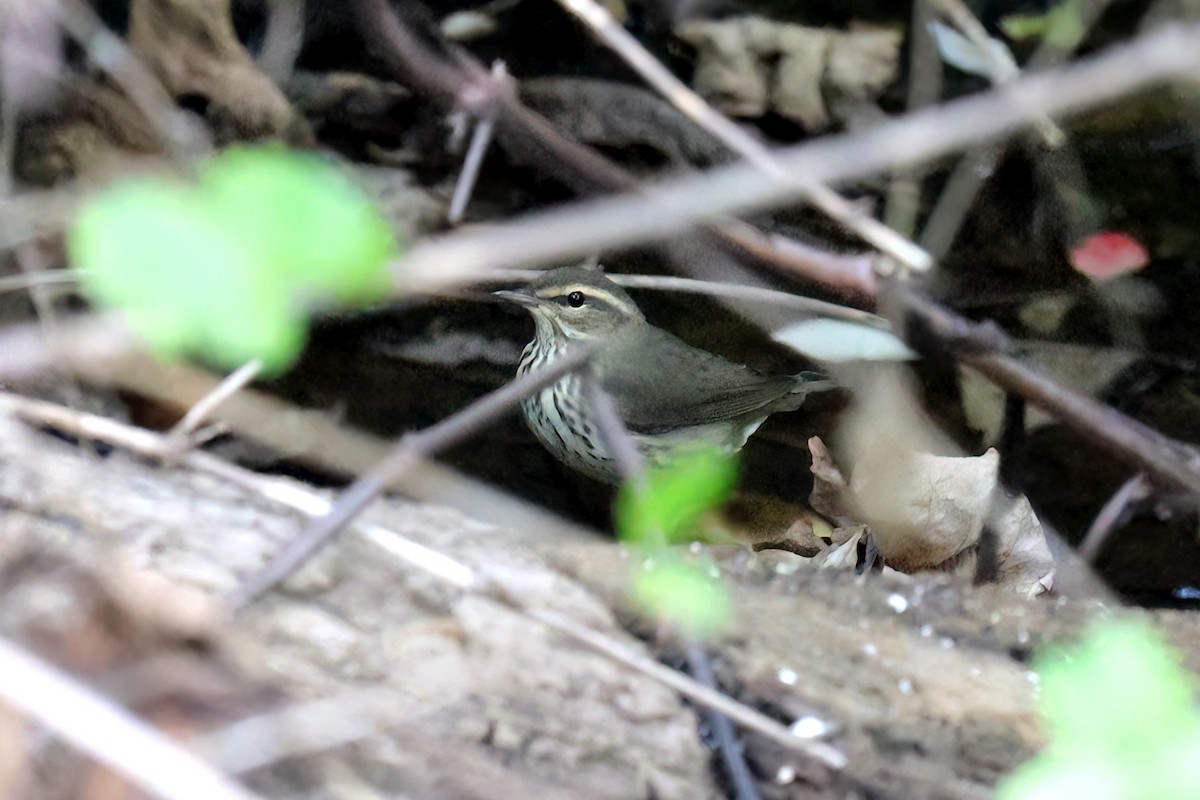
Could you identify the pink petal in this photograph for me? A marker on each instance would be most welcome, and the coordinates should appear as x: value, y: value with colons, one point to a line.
x: 1109, y: 254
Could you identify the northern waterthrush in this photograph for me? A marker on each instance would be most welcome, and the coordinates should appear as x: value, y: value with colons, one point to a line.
x: 670, y: 395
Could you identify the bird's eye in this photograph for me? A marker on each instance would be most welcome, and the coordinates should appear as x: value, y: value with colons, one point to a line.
x: 575, y: 299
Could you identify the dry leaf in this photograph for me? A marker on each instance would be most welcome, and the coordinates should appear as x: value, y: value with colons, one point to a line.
x: 844, y: 553
x: 193, y: 49
x: 927, y: 512
x: 748, y: 66
x: 830, y: 493
x: 924, y: 509
x: 1023, y: 557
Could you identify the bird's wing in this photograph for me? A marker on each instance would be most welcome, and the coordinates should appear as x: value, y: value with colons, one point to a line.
x: 677, y: 385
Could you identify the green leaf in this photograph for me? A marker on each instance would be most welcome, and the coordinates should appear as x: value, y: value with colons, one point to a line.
x: 305, y: 219
x: 675, y: 498
x: 1150, y: 707
x: 1023, y: 26
x: 1123, y: 722
x: 685, y: 595
x: 229, y: 268
x: 1061, y: 26
x: 1064, y: 28
x: 150, y: 248
x: 1044, y: 779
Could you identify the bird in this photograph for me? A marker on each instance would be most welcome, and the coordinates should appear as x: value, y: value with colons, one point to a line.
x: 672, y: 398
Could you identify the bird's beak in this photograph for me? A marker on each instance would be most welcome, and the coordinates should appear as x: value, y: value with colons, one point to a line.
x: 522, y: 297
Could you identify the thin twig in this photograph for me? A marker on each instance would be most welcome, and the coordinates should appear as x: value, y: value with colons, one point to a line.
x: 47, y: 277
x: 1111, y: 515
x: 711, y: 698
x: 754, y: 294
x: 732, y: 755
x: 283, y: 39
x: 409, y: 453
x: 465, y: 84
x: 632, y: 467
x: 29, y: 259
x: 924, y: 88
x: 985, y: 348
x: 300, y: 729
x: 838, y: 208
x: 572, y: 232
x: 620, y: 445
x: 440, y: 566
x: 957, y: 197
x: 968, y: 176
x: 481, y: 137
x: 107, y: 732
x: 305, y: 436
x: 850, y: 275
x: 1001, y: 69
x: 177, y: 437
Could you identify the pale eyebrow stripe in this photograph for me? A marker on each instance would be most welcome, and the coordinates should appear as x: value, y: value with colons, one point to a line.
x: 602, y: 295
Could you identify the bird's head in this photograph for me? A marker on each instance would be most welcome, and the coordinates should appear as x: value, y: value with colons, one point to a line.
x: 577, y: 303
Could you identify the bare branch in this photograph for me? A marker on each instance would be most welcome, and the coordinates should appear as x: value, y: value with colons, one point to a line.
x: 985, y: 349
x: 689, y: 687
x: 573, y: 231
x: 50, y: 278
x: 481, y: 137
x: 969, y: 175
x: 838, y: 208
x: 237, y: 380
x: 409, y: 453
x: 632, y: 468
x: 464, y: 84
x: 107, y: 732
x: 283, y: 39
x: 1111, y: 515
x: 301, y: 729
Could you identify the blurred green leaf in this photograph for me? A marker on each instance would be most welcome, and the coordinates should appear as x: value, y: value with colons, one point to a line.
x: 1123, y: 721
x: 305, y: 219
x: 230, y: 267
x: 675, y: 498
x: 184, y: 282
x: 1023, y: 26
x: 697, y: 604
x: 1061, y: 26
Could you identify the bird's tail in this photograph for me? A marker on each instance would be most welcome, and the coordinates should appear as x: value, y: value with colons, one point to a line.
x: 809, y: 382
x: 806, y: 383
